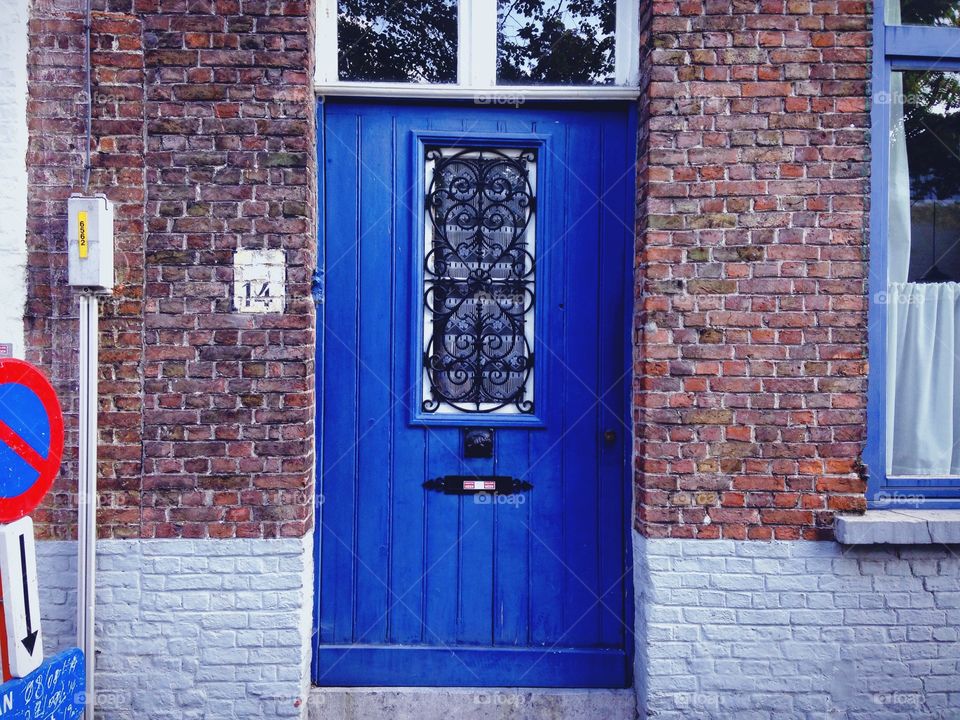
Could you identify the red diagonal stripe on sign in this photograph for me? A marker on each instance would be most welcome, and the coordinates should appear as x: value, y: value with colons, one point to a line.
x: 21, y: 447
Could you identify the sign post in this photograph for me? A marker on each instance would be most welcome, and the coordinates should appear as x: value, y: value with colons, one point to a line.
x: 87, y: 481
x: 89, y: 270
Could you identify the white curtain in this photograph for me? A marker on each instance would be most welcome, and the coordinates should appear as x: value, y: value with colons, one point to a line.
x: 923, y: 340
x: 923, y: 379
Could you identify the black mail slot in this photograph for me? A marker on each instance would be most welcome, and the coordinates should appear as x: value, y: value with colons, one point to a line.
x: 471, y: 484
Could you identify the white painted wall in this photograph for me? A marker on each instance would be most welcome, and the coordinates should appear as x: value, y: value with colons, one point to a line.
x: 190, y: 629
x: 13, y: 169
x: 778, y: 630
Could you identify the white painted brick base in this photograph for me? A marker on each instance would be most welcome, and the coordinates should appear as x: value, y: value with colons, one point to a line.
x: 220, y: 629
x: 796, y: 630
x: 190, y: 629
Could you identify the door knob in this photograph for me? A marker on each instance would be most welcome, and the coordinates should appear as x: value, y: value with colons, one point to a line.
x: 609, y: 436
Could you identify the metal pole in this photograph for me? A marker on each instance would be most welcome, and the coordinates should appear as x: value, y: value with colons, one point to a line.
x: 87, y: 488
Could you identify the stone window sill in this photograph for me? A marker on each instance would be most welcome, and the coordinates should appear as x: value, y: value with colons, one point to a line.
x: 899, y: 527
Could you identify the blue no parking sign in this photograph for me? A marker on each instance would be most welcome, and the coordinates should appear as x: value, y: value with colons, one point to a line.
x: 31, y: 438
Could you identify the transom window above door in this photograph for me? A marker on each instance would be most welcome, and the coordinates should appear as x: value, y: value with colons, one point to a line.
x: 494, y: 51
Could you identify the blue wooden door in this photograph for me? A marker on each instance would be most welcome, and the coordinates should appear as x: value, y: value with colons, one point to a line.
x: 475, y: 326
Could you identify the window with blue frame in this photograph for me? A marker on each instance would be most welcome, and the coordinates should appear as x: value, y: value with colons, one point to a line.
x: 914, y: 442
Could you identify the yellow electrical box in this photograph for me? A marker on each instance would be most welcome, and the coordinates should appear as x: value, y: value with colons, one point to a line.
x: 90, y: 242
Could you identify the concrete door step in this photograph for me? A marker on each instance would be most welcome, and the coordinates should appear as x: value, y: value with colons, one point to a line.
x: 440, y: 703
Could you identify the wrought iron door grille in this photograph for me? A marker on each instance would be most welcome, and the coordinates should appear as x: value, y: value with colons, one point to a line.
x: 479, y: 280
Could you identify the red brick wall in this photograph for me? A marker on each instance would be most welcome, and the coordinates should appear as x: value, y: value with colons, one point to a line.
x: 751, y: 327
x: 203, y: 135
x: 228, y: 408
x: 55, y: 169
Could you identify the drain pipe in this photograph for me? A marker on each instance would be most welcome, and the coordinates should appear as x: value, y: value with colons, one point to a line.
x: 88, y: 501
x: 90, y: 266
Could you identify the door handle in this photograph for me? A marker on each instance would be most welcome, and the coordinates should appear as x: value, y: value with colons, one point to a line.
x: 609, y: 436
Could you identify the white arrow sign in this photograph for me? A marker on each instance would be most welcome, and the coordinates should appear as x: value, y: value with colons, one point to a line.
x: 21, y: 601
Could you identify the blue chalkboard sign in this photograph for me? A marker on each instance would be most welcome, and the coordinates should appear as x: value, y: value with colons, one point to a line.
x: 54, y: 690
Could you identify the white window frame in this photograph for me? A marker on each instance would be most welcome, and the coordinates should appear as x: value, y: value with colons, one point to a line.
x: 477, y: 61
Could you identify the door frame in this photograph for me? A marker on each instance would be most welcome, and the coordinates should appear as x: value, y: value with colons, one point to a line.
x: 630, y: 108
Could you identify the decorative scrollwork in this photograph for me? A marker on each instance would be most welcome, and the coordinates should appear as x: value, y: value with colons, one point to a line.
x: 479, y: 280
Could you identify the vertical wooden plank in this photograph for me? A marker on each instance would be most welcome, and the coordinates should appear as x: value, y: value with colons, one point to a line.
x: 618, y: 169
x: 338, y: 473
x: 511, y: 592
x: 375, y: 393
x: 476, y: 543
x: 581, y: 277
x: 476, y: 558
x: 511, y: 554
x: 545, y: 506
x: 408, y: 465
x: 320, y: 375
x: 443, y: 513
x: 444, y: 529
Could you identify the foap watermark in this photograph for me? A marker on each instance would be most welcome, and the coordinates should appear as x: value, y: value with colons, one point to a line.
x: 897, y: 698
x: 501, y: 699
x: 499, y: 98
x: 893, y: 297
x: 512, y: 499
x: 695, y: 701
x: 893, y: 498
x: 100, y: 98
x: 104, y: 699
x: 889, y: 97
x: 501, y: 298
